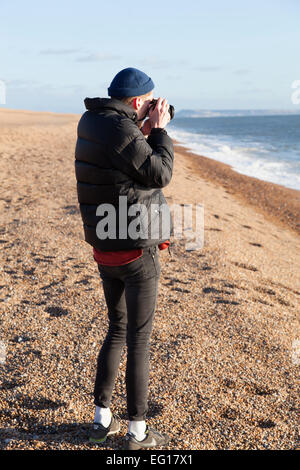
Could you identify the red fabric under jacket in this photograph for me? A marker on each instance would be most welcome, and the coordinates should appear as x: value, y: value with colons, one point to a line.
x: 118, y: 258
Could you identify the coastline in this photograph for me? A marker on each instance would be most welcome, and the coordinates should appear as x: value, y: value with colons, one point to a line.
x: 278, y: 203
x: 225, y: 344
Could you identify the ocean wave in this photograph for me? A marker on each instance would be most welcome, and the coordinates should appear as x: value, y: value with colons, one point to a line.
x: 264, y: 162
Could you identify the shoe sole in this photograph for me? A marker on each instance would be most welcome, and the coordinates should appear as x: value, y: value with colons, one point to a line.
x: 103, y: 439
x: 135, y: 446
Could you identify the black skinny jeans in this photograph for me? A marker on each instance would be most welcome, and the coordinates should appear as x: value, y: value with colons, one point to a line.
x: 131, y: 294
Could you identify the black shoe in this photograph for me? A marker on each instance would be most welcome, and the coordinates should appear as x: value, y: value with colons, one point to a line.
x: 153, y: 439
x: 99, y: 433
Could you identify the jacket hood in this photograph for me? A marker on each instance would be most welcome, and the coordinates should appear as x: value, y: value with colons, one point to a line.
x: 97, y: 104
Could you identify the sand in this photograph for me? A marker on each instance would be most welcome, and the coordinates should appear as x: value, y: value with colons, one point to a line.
x: 225, y: 348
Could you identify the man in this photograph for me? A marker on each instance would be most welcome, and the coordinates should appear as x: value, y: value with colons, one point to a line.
x: 116, y: 162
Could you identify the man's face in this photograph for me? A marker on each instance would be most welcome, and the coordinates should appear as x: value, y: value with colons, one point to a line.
x: 143, y: 105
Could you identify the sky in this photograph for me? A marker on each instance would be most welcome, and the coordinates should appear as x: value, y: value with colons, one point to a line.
x: 211, y: 54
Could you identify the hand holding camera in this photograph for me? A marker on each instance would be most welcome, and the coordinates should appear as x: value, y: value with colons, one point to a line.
x: 160, y: 113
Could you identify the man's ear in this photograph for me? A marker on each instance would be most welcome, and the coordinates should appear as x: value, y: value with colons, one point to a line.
x: 136, y: 102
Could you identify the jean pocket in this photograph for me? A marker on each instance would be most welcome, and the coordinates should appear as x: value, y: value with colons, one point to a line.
x: 151, y: 262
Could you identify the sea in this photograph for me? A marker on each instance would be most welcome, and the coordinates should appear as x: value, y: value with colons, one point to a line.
x: 259, y: 144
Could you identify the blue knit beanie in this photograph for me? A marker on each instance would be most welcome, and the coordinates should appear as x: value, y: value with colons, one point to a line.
x: 130, y: 82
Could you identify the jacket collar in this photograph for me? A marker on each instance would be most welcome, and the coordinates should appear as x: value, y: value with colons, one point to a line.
x: 99, y: 104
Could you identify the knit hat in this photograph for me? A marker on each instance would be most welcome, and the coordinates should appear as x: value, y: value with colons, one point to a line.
x: 130, y: 82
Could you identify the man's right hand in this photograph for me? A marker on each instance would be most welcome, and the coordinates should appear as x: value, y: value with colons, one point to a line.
x: 160, y: 116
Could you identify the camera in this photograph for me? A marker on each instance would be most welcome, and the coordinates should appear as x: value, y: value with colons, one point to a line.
x: 171, y: 108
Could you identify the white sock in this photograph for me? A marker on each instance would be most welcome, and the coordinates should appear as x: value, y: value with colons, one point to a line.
x: 102, y: 416
x: 137, y: 428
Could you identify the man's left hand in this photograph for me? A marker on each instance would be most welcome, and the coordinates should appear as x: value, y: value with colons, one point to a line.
x: 146, y: 129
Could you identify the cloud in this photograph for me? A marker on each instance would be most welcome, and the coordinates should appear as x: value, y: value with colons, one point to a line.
x: 35, y: 86
x: 154, y: 62
x: 256, y: 90
x: 87, y: 56
x: 157, y: 63
x: 22, y: 83
x: 58, y: 51
x: 173, y: 77
x: 98, y: 57
x: 242, y: 71
x: 208, y: 68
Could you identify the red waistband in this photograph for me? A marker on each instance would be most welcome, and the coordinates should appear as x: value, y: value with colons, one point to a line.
x: 118, y: 258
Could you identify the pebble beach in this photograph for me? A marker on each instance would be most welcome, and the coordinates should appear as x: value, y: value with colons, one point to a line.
x: 225, y: 347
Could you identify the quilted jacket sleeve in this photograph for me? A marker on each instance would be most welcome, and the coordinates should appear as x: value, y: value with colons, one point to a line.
x: 148, y: 162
